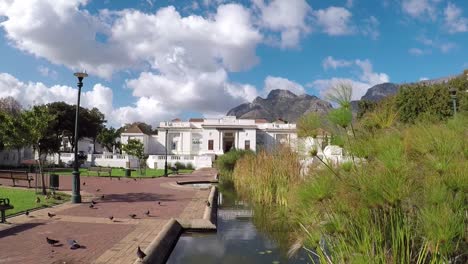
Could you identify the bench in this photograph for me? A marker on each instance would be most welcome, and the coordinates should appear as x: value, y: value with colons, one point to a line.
x: 16, y: 176
x: 4, y: 205
x: 100, y: 170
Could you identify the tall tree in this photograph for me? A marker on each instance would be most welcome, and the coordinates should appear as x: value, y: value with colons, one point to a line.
x: 35, y: 123
x: 135, y: 147
x: 108, y: 138
x: 10, y: 105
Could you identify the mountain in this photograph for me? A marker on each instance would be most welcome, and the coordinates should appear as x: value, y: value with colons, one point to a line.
x: 380, y: 91
x: 280, y: 104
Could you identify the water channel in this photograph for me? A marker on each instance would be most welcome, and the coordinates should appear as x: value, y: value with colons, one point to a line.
x: 237, y: 240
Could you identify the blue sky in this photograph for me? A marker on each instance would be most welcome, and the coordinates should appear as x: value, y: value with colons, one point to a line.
x: 153, y: 60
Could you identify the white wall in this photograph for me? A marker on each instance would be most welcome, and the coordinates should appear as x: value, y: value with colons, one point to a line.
x: 215, y: 135
x: 247, y: 134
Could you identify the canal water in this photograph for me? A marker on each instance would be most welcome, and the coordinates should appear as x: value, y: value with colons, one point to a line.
x: 237, y: 240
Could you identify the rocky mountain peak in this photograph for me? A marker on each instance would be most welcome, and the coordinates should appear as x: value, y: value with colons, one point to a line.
x: 278, y: 93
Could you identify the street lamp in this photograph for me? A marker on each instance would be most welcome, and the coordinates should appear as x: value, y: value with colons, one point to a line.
x: 165, y: 163
x: 76, y: 196
x: 453, y: 95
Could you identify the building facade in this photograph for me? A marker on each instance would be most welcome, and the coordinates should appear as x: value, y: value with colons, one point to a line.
x: 199, y: 141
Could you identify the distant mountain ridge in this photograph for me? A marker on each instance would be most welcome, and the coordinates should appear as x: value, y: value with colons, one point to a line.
x: 283, y: 104
x: 280, y: 104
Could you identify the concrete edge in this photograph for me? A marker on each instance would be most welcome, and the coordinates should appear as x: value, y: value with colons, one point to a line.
x: 161, y: 247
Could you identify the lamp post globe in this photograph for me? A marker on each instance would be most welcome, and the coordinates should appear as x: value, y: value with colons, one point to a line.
x: 76, y: 196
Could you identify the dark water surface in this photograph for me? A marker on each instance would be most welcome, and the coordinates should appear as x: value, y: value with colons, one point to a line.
x: 236, y: 242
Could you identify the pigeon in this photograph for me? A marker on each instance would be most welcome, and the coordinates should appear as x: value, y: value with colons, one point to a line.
x: 51, y: 241
x: 111, y: 218
x: 27, y: 213
x: 73, y: 244
x: 102, y: 196
x: 50, y: 215
x: 159, y: 203
x: 134, y: 179
x: 38, y: 200
x: 147, y: 213
x: 91, y: 206
x: 84, y: 183
x: 132, y: 216
x: 140, y: 253
x: 93, y: 202
x: 208, y: 203
x: 98, y: 190
x: 118, y: 178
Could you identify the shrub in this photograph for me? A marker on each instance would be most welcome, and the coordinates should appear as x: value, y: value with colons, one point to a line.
x: 179, y: 165
x: 189, y: 166
x: 226, y: 163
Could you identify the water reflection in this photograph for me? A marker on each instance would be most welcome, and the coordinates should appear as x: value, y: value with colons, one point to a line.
x: 237, y: 241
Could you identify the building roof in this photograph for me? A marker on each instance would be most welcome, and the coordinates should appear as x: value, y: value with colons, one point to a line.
x: 134, y: 129
x: 280, y: 121
x: 176, y: 120
x: 197, y: 120
x: 261, y: 121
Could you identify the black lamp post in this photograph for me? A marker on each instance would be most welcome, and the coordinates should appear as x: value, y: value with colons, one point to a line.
x: 165, y: 162
x: 453, y: 95
x: 76, y: 196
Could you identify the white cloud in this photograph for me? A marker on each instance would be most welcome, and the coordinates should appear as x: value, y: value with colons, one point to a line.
x: 365, y: 79
x: 131, y: 38
x: 443, y: 46
x: 330, y: 62
x: 423, y: 79
x: 287, y: 17
x: 370, y: 27
x: 420, y: 8
x: 335, y: 21
x: 454, y: 21
x: 416, y: 51
x: 47, y: 72
x: 273, y: 83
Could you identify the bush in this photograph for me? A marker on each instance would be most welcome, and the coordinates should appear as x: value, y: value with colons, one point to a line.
x: 179, y: 165
x: 189, y: 166
x: 226, y: 163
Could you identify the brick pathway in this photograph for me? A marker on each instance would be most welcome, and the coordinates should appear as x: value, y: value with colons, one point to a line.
x: 105, y: 241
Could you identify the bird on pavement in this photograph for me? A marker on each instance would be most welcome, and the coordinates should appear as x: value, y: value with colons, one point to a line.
x: 50, y: 214
x: 98, y: 190
x: 73, y: 244
x: 159, y: 203
x: 102, y: 196
x: 147, y: 213
x: 111, y: 218
x: 132, y: 216
x: 51, y: 241
x: 84, y: 183
x: 91, y: 206
x: 207, y: 203
x: 38, y: 200
x: 27, y: 213
x: 140, y: 253
x: 93, y: 202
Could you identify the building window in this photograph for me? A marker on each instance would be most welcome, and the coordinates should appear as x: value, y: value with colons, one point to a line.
x: 247, y: 145
x: 210, y: 144
x: 174, y: 145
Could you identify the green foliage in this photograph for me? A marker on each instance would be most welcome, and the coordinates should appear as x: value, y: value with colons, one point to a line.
x: 135, y: 148
x: 108, y: 137
x: 341, y: 94
x: 180, y: 165
x: 341, y: 117
x: 365, y: 106
x: 189, y: 166
x: 226, y: 163
x: 309, y: 125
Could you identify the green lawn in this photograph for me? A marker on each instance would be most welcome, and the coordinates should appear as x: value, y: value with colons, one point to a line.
x: 118, y: 172
x: 24, y: 200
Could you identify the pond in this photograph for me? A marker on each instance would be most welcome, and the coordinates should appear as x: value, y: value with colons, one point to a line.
x: 236, y: 241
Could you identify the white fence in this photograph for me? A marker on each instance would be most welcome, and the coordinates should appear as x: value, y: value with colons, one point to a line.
x: 124, y: 161
x: 158, y: 161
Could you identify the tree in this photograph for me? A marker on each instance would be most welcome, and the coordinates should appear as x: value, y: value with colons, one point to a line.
x: 12, y: 133
x: 91, y: 121
x: 146, y: 128
x: 135, y: 147
x: 10, y: 105
x: 108, y: 138
x: 35, y: 123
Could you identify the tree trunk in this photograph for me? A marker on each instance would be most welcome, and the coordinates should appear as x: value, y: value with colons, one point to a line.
x: 19, y: 157
x: 41, y: 171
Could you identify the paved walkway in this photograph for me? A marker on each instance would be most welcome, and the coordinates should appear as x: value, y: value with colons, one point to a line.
x: 104, y: 241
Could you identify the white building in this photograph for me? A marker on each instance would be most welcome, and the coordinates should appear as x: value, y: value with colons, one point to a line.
x: 199, y: 141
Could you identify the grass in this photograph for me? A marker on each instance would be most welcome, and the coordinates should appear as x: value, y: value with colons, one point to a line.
x: 23, y: 200
x: 118, y: 172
